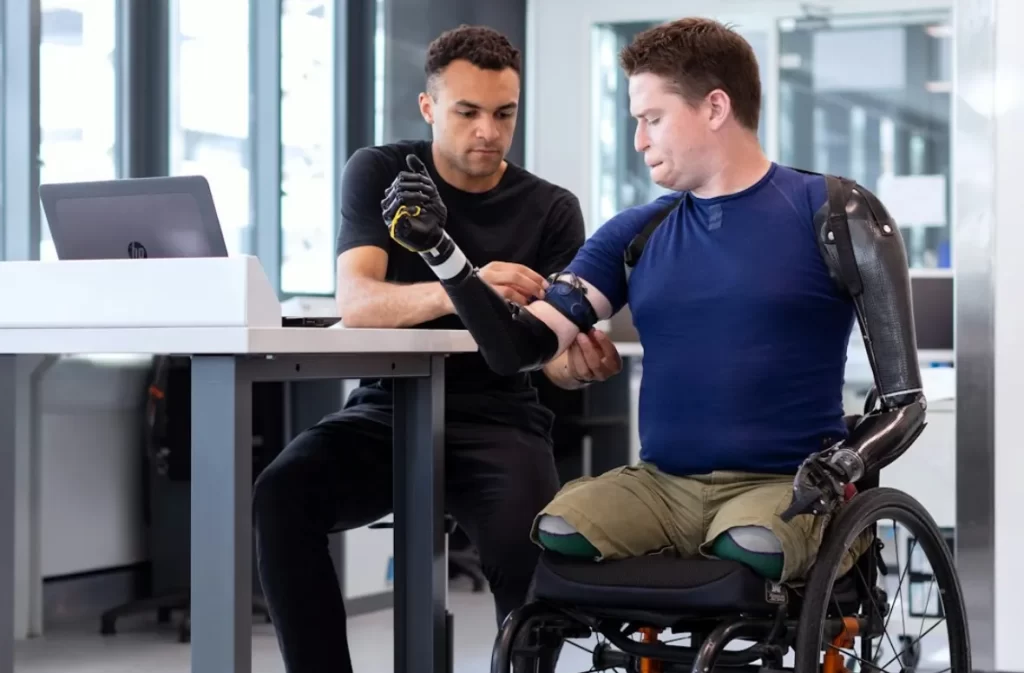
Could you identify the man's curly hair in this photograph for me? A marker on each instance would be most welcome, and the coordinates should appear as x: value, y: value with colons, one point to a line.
x: 484, y: 47
x: 700, y: 55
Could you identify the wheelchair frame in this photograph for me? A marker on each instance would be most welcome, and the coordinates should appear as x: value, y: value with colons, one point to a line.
x: 546, y: 624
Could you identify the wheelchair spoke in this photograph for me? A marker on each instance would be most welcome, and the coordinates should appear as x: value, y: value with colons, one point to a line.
x: 877, y: 609
x: 676, y: 640
x: 578, y: 646
x: 897, y: 600
x: 927, y: 600
x: 868, y: 664
x: 912, y: 643
x: 910, y: 555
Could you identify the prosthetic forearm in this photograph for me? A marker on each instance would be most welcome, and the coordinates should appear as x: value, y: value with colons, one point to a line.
x: 510, y: 338
x: 865, y: 254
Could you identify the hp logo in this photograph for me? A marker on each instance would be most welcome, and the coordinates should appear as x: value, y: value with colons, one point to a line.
x: 137, y: 251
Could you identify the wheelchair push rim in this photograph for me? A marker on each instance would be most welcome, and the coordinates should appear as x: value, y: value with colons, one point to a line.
x: 898, y: 608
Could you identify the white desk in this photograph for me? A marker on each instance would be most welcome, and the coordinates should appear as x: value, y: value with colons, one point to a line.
x: 224, y: 314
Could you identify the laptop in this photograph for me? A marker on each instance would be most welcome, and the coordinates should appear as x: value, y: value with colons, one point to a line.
x: 133, y: 218
x: 140, y: 218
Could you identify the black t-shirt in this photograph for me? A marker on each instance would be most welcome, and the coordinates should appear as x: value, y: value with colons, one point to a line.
x: 524, y: 219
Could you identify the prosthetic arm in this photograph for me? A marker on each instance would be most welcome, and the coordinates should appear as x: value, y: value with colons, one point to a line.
x: 865, y: 255
x: 510, y: 338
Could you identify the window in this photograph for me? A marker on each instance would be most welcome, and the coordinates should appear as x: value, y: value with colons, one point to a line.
x: 309, y: 184
x: 885, y: 123
x: 379, y: 58
x: 78, y: 107
x: 209, y: 115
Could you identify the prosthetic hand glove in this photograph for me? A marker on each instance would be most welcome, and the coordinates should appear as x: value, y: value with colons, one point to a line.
x: 509, y: 338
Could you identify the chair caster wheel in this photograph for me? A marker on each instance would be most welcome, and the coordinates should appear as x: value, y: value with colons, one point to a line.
x: 185, y: 631
x: 107, y: 627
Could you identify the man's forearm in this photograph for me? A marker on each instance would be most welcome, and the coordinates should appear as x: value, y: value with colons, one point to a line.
x: 380, y: 304
x: 558, y: 372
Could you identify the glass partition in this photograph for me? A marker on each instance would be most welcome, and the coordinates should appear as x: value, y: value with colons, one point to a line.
x: 884, y: 123
x: 78, y: 105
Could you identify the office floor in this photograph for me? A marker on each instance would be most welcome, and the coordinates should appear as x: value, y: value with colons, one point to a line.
x: 143, y: 646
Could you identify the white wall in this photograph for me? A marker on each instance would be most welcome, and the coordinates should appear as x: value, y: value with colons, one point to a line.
x: 91, y: 465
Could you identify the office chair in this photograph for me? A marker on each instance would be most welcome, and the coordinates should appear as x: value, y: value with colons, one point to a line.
x: 463, y: 558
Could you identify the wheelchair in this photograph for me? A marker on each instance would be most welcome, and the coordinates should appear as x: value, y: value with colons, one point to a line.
x: 718, y: 606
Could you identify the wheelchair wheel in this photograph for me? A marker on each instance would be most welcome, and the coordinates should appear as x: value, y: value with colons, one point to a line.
x: 534, y: 638
x: 528, y: 641
x: 899, y: 594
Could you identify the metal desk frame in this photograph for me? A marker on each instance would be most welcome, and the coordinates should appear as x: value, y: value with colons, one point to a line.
x: 221, y: 590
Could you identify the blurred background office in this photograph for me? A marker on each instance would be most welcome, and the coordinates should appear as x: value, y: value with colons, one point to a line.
x: 267, y: 99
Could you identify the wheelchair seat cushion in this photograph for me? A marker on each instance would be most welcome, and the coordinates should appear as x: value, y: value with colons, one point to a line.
x: 656, y: 583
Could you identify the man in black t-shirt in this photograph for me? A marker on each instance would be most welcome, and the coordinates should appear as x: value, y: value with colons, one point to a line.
x: 500, y: 471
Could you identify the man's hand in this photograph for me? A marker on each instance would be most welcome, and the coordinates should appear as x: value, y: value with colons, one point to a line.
x: 412, y: 208
x: 593, y: 357
x: 517, y: 283
x: 590, y: 357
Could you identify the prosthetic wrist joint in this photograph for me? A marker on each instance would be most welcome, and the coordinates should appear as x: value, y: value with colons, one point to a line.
x: 568, y: 295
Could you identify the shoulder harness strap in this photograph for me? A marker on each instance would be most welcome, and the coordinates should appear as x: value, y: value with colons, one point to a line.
x: 636, y: 246
x: 838, y: 232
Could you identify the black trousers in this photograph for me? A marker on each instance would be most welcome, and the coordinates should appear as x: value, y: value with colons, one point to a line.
x: 338, y: 474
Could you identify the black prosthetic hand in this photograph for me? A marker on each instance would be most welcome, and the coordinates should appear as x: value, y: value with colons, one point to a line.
x: 821, y: 483
x: 510, y: 339
x: 879, y: 438
x: 414, y: 189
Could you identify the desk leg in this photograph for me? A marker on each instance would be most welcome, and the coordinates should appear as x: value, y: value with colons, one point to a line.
x: 421, y: 574
x: 221, y: 609
x: 8, y: 384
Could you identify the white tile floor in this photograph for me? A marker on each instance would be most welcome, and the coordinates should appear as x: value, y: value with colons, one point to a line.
x: 144, y: 646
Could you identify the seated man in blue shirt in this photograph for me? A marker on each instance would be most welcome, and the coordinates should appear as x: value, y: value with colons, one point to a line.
x: 744, y: 297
